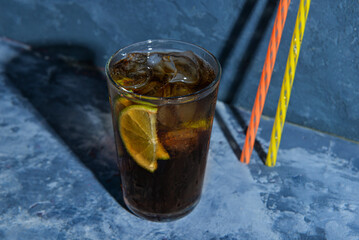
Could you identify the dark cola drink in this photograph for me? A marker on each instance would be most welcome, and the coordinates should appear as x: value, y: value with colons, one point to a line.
x: 163, y: 105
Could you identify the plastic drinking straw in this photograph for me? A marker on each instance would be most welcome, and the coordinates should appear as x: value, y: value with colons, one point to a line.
x: 265, y: 80
x: 287, y: 82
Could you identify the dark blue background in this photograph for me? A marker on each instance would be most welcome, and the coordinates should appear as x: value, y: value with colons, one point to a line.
x: 325, y: 94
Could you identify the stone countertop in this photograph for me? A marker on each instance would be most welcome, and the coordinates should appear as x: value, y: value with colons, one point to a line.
x: 58, y: 178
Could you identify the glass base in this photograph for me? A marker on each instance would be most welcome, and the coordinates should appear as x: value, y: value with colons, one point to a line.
x: 162, y: 217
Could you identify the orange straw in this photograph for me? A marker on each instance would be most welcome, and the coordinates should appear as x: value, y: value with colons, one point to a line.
x: 265, y: 80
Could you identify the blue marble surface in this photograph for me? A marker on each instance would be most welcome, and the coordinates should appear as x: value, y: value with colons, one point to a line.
x: 58, y: 180
x: 326, y: 87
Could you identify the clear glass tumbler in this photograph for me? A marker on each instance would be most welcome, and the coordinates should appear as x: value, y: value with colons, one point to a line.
x: 163, y: 95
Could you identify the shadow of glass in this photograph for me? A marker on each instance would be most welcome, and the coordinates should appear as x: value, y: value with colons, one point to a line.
x: 70, y: 92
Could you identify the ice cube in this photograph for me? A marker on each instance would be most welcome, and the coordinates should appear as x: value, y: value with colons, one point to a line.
x: 180, y: 89
x: 187, y: 67
x: 176, y: 115
x: 167, y: 117
x: 132, y: 72
x: 152, y: 88
x: 186, y: 112
x: 174, y: 90
x: 154, y: 59
x: 184, y: 140
x: 162, y: 66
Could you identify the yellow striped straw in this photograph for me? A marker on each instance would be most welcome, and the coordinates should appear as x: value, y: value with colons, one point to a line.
x: 287, y: 82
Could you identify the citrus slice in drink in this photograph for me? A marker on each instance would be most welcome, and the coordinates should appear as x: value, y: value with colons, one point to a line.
x: 161, y: 153
x: 137, y: 126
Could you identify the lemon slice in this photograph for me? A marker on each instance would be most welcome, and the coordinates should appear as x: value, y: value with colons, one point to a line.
x: 161, y: 153
x: 137, y: 126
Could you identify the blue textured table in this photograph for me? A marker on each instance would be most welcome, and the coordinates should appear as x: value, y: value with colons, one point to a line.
x: 58, y: 178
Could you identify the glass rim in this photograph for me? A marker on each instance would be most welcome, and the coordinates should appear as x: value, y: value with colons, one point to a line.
x: 176, y: 99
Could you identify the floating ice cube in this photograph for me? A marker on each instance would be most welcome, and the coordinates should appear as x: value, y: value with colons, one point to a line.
x: 154, y: 59
x: 132, y: 72
x: 187, y: 67
x: 163, y: 67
